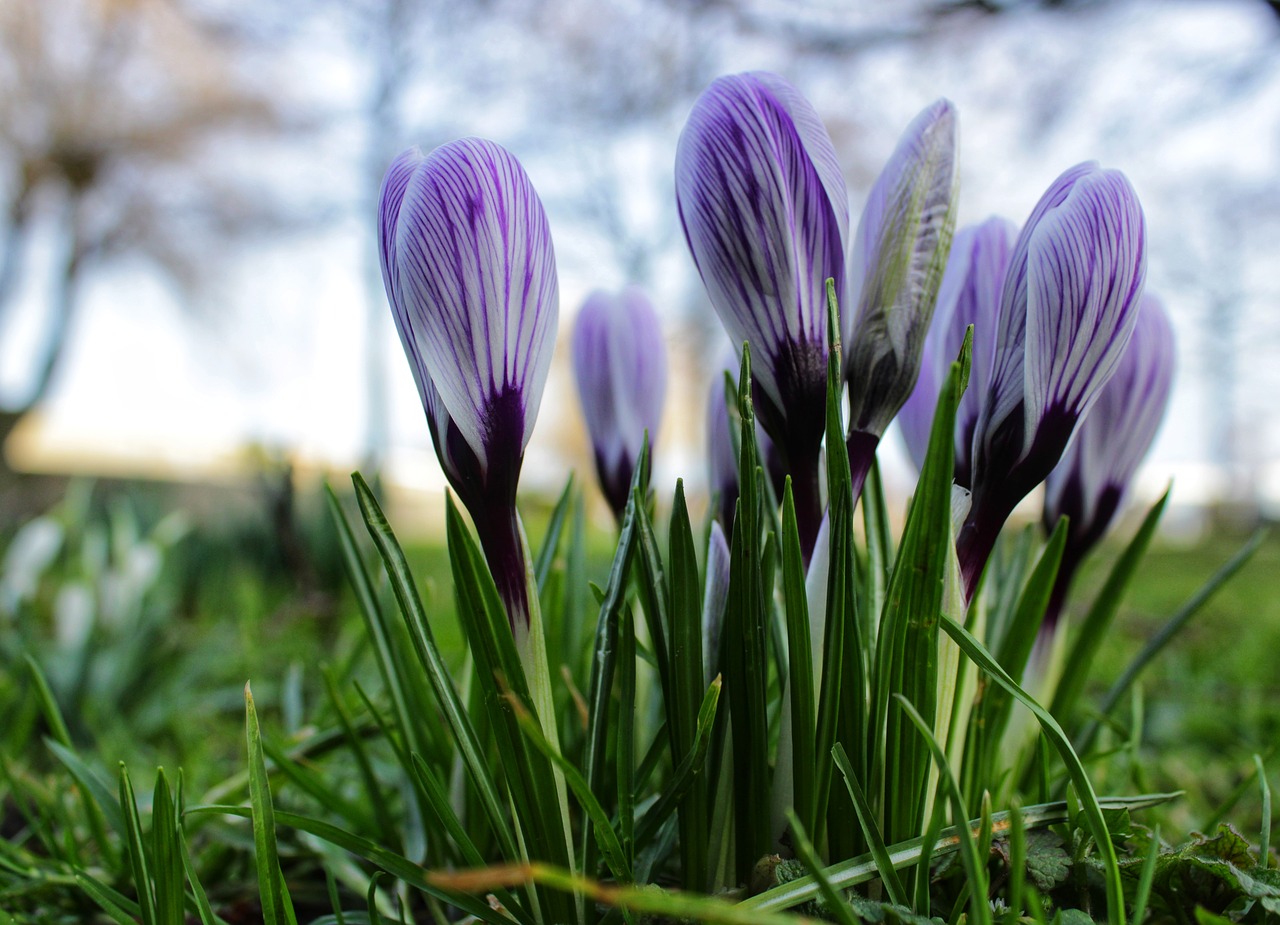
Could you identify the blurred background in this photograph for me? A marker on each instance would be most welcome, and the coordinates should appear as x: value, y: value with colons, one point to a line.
x: 193, y: 332
x: 188, y: 278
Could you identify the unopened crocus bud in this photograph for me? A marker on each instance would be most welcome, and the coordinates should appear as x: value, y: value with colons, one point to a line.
x: 765, y: 212
x: 969, y: 295
x: 470, y: 274
x: 1088, y: 486
x: 1067, y: 310
x: 895, y: 268
x: 715, y: 597
x: 620, y: 363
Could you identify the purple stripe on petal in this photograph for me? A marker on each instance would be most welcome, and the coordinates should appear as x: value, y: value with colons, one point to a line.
x: 1090, y: 482
x: 765, y: 214
x: 1086, y: 267
x: 969, y: 295
x: 896, y: 266
x: 477, y: 274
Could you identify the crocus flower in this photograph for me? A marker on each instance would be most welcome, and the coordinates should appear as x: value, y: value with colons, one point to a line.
x: 765, y: 213
x: 895, y: 268
x: 620, y: 362
x: 1067, y: 310
x: 1088, y: 486
x: 969, y: 295
x: 470, y: 274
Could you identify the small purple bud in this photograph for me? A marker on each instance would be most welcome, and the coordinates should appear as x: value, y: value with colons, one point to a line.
x: 969, y: 295
x: 765, y: 212
x: 1089, y: 484
x: 714, y: 599
x: 1068, y: 308
x: 620, y: 363
x: 470, y: 274
x: 895, y: 269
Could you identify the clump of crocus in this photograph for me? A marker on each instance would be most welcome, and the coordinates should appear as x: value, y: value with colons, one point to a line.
x: 470, y: 273
x: 895, y: 268
x: 1089, y: 485
x: 1067, y: 310
x: 620, y: 362
x: 969, y: 295
x: 765, y: 213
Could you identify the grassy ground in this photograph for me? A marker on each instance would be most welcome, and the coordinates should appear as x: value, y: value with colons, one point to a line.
x: 156, y: 676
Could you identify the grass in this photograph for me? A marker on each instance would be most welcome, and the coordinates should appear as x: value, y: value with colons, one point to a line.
x: 165, y: 686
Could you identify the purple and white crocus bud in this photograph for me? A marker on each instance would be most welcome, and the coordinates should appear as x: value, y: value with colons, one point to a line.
x: 470, y: 274
x: 1088, y: 486
x: 895, y: 269
x: 969, y: 295
x: 1067, y: 310
x: 620, y: 363
x: 765, y: 212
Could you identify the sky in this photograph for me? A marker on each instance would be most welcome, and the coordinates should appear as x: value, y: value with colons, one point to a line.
x: 1177, y: 95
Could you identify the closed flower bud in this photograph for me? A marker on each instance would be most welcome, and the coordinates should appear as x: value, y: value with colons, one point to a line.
x: 470, y: 274
x: 765, y: 213
x: 895, y: 268
x: 1067, y: 310
x: 620, y: 363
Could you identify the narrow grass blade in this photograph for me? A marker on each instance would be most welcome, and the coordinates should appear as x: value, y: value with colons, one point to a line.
x: 625, y: 742
x: 844, y: 669
x: 837, y: 905
x: 607, y: 838
x: 93, y: 809
x: 870, y: 831
x: 686, y: 774
x: 118, y: 906
x: 373, y: 792
x: 1018, y: 863
x: 551, y: 541
x: 376, y: 625
x: 744, y: 651
x: 1075, y: 770
x: 604, y: 656
x: 1264, y: 840
x: 801, y: 682
x: 438, y: 675
x: 136, y: 849
x: 271, y: 886
x: 93, y: 784
x: 203, y: 909
x: 907, y: 648
x: 1075, y: 670
x: 410, y: 872
x: 1175, y: 623
x: 687, y: 688
x: 975, y: 867
x: 880, y: 548
x: 166, y: 855
x: 1143, y: 893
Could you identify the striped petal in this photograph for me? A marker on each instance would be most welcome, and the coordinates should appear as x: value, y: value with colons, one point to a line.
x: 477, y: 283
x: 896, y: 266
x: 1086, y: 265
x: 765, y: 212
x: 1090, y: 482
x: 969, y: 295
x: 620, y: 363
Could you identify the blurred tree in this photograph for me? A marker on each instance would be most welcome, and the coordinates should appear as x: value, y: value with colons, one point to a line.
x: 119, y: 121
